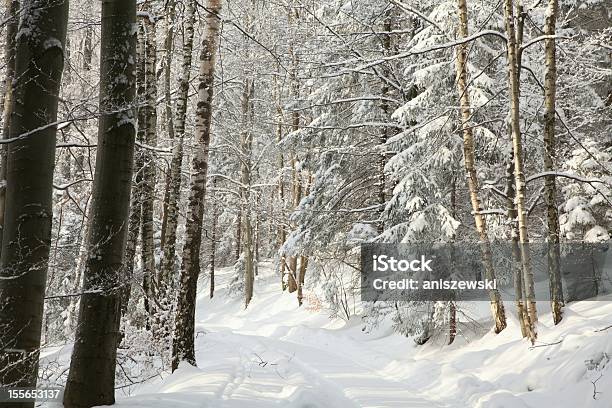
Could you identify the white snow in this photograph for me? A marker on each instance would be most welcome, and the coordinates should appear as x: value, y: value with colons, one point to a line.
x: 52, y: 42
x: 275, y: 354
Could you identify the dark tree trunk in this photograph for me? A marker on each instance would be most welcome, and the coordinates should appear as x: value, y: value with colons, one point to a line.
x: 12, y: 6
x: 91, y: 379
x: 28, y: 213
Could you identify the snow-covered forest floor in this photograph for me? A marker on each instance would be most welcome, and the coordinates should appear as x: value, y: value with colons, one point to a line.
x: 275, y: 354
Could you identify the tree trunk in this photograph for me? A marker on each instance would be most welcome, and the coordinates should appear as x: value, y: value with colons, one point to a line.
x: 173, y: 180
x: 12, y: 6
x: 91, y: 379
x: 296, y: 188
x: 497, y: 306
x: 246, y: 141
x: 519, y: 290
x: 281, y: 233
x: 167, y: 66
x: 137, y: 195
x: 301, y: 279
x: 239, y: 232
x: 148, y: 169
x: 132, y: 239
x: 519, y: 175
x: 550, y: 188
x: 183, y: 343
x: 213, y: 243
x: 256, y: 235
x: 170, y: 9
x: 292, y: 273
x: 77, y: 283
x: 87, y: 58
x: 26, y: 240
x: 452, y: 322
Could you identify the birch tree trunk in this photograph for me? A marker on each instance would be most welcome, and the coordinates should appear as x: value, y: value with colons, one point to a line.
x: 173, y: 180
x: 12, y: 7
x: 183, y: 342
x: 91, y: 379
x: 170, y: 9
x: 497, y: 306
x: 517, y: 271
x: 519, y: 175
x: 28, y: 213
x: 550, y: 153
x: 168, y: 112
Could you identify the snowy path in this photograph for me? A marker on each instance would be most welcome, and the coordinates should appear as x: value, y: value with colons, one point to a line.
x: 276, y: 355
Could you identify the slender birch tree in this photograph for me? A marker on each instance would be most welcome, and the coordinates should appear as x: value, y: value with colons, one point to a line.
x: 550, y: 154
x: 173, y: 179
x: 497, y: 306
x: 519, y: 174
x: 183, y: 342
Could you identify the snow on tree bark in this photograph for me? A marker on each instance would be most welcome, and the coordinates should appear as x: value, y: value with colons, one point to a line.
x: 183, y: 342
x: 135, y: 218
x: 170, y: 9
x: 173, y: 180
x: 148, y: 170
x: 497, y: 306
x: 39, y: 60
x: 519, y: 175
x: 550, y: 154
x: 91, y: 379
x: 517, y: 271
